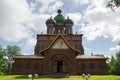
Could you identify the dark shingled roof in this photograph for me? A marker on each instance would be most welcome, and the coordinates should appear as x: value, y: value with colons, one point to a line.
x: 50, y: 21
x: 68, y: 21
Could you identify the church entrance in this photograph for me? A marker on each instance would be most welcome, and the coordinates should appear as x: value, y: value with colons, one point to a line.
x: 59, y: 66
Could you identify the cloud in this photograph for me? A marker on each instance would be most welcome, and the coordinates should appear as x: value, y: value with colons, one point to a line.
x: 14, y: 33
x: 13, y: 14
x: 76, y: 17
x: 101, y: 22
x: 46, y: 5
x: 90, y: 2
x: 37, y: 22
x: 17, y: 22
x: 116, y: 48
x: 87, y: 49
x: 81, y: 1
x: 30, y: 42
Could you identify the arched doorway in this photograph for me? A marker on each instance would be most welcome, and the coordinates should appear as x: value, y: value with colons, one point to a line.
x: 59, y: 66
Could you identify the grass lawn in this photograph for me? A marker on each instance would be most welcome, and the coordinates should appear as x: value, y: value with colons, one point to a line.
x: 93, y: 77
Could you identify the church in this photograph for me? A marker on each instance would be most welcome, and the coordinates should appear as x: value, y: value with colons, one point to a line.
x: 59, y: 51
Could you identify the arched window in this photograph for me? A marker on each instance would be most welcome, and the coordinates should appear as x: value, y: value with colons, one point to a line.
x: 28, y: 66
x: 36, y: 66
x: 100, y: 66
x: 19, y: 65
x: 91, y: 66
x: 83, y: 66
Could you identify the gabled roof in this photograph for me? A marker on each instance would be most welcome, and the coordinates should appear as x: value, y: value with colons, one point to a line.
x: 60, y: 35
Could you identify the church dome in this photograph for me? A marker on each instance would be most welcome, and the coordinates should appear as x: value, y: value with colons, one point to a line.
x: 50, y: 21
x: 68, y: 21
x: 59, y: 18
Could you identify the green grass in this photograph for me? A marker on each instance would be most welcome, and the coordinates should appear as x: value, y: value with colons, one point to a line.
x: 93, y: 77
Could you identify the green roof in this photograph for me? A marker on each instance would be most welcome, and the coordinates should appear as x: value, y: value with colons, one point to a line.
x: 59, y: 19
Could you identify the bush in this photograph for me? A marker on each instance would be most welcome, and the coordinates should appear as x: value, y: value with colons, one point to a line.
x: 1, y: 73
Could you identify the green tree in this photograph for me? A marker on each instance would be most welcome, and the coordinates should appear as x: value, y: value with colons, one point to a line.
x: 114, y: 64
x: 117, y: 64
x: 113, y: 3
x: 111, y: 65
x: 13, y: 50
x: 1, y: 61
x: 10, y: 51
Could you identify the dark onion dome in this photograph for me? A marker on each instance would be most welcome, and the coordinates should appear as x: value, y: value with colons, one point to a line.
x: 68, y: 21
x: 59, y: 18
x: 50, y: 21
x: 59, y: 11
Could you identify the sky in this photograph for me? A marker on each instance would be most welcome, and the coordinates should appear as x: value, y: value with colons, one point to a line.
x: 21, y: 20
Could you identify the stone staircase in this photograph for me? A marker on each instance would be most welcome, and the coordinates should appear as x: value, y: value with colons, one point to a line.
x: 58, y: 75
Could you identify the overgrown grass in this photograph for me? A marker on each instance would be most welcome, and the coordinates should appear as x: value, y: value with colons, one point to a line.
x: 93, y: 77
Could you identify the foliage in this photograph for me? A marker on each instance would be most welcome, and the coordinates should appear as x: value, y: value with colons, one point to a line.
x: 1, y: 61
x: 12, y: 50
x: 6, y: 58
x: 1, y: 73
x: 113, y: 4
x: 9, y: 53
x: 114, y: 64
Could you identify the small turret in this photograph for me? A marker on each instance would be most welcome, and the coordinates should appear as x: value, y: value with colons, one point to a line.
x: 68, y: 24
x: 68, y: 21
x: 50, y: 26
x: 50, y: 21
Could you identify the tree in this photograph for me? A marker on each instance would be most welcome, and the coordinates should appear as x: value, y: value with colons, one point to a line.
x: 9, y: 53
x: 13, y: 50
x: 117, y: 63
x: 113, y: 4
x: 114, y: 64
x: 111, y: 65
x: 1, y: 61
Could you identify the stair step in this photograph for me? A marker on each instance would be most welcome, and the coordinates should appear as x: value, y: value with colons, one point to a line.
x: 59, y: 75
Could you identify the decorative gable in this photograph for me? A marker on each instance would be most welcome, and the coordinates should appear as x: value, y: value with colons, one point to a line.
x: 60, y: 44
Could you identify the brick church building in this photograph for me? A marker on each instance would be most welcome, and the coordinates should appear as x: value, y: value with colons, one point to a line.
x: 59, y: 51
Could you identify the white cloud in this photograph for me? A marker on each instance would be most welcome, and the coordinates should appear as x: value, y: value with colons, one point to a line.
x: 14, y: 33
x: 116, y: 48
x: 87, y: 49
x: 13, y: 14
x: 90, y: 2
x: 17, y: 21
x: 48, y: 5
x: 37, y: 22
x: 102, y: 22
x: 31, y: 42
x: 14, y: 11
x: 81, y: 1
x: 76, y: 17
